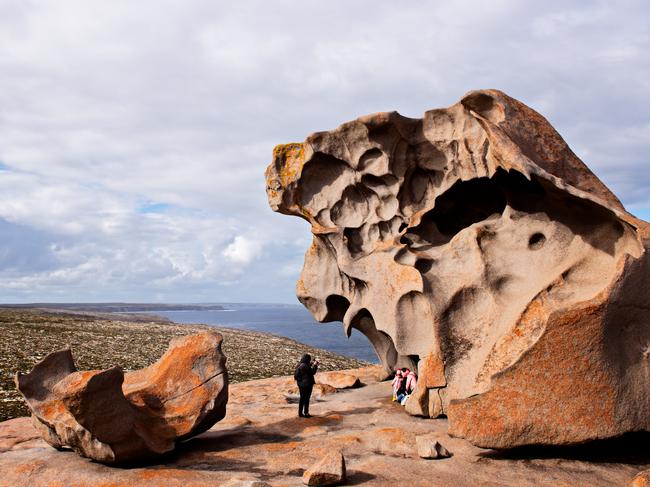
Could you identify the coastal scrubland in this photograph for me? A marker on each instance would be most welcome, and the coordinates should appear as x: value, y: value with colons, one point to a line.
x: 27, y: 336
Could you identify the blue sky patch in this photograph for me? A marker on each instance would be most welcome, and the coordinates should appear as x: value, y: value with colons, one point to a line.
x: 152, y: 207
x: 643, y: 213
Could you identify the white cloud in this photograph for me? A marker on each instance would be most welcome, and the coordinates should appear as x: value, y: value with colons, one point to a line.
x: 243, y: 250
x: 107, y: 106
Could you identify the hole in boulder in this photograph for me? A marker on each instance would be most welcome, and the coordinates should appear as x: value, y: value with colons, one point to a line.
x: 485, y: 105
x: 536, y: 241
x: 479, y: 102
x: 368, y: 157
x: 416, y: 360
x: 405, y: 240
x: 353, y: 207
x: 323, y: 171
x: 476, y: 200
x: 353, y: 239
x: 381, y: 341
x: 373, y: 162
x: 372, y: 181
x: 466, y: 203
x: 336, y: 308
x: 423, y: 265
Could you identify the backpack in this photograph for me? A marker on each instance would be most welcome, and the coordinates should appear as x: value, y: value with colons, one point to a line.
x: 297, y: 375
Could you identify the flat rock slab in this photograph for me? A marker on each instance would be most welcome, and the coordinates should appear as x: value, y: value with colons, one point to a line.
x: 262, y: 440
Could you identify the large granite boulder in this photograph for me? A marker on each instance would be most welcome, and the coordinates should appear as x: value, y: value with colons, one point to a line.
x: 114, y: 417
x: 474, y: 246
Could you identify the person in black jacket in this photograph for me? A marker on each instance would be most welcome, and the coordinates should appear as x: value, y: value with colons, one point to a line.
x: 304, y: 376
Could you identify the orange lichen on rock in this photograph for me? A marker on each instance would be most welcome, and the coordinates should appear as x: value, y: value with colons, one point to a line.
x: 288, y: 160
x: 292, y: 158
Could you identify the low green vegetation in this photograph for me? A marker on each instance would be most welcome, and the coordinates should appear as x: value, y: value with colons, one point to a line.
x: 27, y: 336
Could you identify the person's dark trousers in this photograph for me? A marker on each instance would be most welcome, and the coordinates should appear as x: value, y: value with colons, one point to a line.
x: 305, y: 395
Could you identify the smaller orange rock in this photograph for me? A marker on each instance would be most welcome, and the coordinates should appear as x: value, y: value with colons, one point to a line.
x: 329, y: 471
x: 338, y: 380
x: 429, y: 447
x: 114, y: 417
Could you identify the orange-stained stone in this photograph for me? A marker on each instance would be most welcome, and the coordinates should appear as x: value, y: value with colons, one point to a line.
x: 114, y: 417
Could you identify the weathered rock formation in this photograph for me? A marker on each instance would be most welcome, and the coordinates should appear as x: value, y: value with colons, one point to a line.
x: 114, y: 417
x: 473, y: 245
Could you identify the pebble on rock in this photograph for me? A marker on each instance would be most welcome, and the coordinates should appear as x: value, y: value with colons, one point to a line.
x: 430, y: 448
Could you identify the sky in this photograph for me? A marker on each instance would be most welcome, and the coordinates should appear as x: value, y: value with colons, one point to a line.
x: 134, y: 135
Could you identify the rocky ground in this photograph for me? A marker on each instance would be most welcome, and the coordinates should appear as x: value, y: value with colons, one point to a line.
x: 262, y: 439
x: 26, y: 336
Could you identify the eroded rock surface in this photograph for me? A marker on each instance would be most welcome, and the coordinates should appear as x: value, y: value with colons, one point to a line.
x: 114, y: 417
x: 474, y: 246
x: 261, y: 439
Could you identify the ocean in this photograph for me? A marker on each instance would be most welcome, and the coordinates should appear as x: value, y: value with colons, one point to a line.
x: 291, y: 321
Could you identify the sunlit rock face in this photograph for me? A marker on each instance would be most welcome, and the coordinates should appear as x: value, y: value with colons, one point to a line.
x: 113, y: 417
x: 474, y: 246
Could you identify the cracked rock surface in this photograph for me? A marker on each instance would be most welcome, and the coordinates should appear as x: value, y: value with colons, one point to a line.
x: 114, y: 417
x: 473, y: 246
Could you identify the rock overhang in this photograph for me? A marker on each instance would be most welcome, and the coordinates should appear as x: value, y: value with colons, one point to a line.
x: 452, y: 241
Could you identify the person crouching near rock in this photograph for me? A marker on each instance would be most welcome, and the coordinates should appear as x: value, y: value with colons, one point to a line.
x: 304, y: 376
x: 398, y: 384
x: 404, y: 384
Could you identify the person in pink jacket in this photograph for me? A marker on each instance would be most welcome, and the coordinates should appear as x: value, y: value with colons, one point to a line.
x: 411, y: 381
x: 403, y: 384
x: 398, y: 384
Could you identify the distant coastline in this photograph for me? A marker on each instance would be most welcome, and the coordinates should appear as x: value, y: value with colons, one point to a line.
x: 287, y: 320
x: 115, y: 307
x: 136, y: 312
x: 99, y: 343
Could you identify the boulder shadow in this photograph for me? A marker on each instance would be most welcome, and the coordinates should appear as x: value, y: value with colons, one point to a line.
x: 359, y: 410
x: 630, y: 449
x: 356, y: 477
x: 216, y: 441
x: 285, y: 430
x: 219, y: 464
